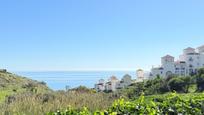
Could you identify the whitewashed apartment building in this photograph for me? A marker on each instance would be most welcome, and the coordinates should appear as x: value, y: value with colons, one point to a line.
x: 113, y: 83
x: 189, y: 62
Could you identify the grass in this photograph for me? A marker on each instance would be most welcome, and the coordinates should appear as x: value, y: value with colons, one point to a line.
x: 40, y: 104
x: 3, y: 94
x: 22, y: 96
x: 11, y: 84
x: 29, y: 103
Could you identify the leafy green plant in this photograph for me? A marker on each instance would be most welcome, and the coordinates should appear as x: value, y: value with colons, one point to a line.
x: 171, y: 104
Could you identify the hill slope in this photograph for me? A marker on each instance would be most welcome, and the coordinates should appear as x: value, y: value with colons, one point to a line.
x: 13, y: 84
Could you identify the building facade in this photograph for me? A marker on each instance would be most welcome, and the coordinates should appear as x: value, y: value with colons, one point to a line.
x: 125, y: 81
x: 140, y: 75
x: 100, y: 86
x: 113, y: 83
x: 188, y: 63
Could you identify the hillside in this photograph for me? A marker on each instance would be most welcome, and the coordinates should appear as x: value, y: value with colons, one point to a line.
x: 13, y: 84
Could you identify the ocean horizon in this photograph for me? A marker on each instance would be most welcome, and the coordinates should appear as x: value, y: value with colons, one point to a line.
x: 58, y: 80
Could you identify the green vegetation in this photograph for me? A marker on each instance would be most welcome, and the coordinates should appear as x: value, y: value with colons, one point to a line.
x: 20, y: 95
x: 160, y: 85
x: 200, y: 80
x: 171, y: 104
x: 11, y: 84
x: 29, y: 103
x: 23, y: 96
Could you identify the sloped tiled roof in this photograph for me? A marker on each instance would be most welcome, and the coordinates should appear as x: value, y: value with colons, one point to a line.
x: 113, y: 78
x: 168, y: 56
x: 189, y: 48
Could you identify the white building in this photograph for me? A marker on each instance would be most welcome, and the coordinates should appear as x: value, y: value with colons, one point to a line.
x: 100, y: 86
x: 140, y: 75
x: 189, y: 62
x: 125, y: 81
x: 113, y: 83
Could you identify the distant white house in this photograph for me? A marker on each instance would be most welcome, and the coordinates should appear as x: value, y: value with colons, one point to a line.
x: 100, y: 86
x: 189, y: 62
x: 113, y: 83
x: 140, y: 75
x: 125, y: 81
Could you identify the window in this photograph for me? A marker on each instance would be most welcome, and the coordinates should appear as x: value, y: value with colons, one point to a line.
x: 161, y: 68
x: 190, y: 59
x: 190, y: 66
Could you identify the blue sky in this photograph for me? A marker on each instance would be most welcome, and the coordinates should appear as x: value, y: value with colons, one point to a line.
x: 37, y: 35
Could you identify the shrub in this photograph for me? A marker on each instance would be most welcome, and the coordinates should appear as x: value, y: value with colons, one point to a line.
x: 176, y: 84
x: 172, y: 104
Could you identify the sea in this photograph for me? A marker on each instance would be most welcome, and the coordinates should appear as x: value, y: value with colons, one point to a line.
x: 59, y: 80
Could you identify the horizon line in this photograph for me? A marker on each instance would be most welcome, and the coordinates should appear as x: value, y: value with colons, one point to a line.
x: 75, y: 70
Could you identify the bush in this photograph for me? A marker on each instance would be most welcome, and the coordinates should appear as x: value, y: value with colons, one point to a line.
x: 176, y: 84
x: 172, y: 104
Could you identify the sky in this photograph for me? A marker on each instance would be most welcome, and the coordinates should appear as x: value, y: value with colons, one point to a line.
x: 63, y: 35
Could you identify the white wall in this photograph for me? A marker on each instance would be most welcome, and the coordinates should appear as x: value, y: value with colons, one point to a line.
x: 190, y: 56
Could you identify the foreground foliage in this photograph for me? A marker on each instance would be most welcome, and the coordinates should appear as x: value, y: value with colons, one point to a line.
x: 171, y: 104
x: 40, y: 104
